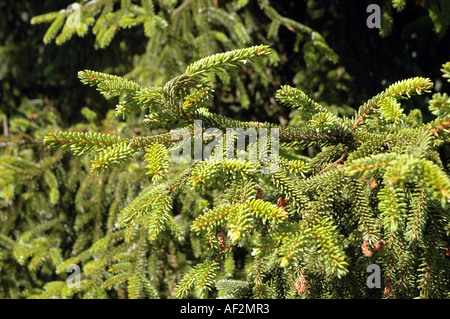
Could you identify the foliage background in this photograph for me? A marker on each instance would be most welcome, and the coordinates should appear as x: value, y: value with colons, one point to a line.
x: 40, y: 91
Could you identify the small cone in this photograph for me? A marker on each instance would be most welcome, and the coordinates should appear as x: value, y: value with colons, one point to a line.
x: 282, y: 203
x: 365, y: 249
x: 221, y: 238
x: 387, y: 289
x: 301, y: 284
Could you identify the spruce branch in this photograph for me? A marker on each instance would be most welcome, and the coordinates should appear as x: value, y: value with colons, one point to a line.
x: 398, y: 90
x: 417, y: 216
x: 392, y: 206
x: 287, y: 187
x: 267, y: 211
x: 369, y: 163
x: 296, y: 98
x: 112, y: 157
x: 367, y: 222
x: 384, y: 185
x: 294, y: 245
x: 230, y: 58
x: 158, y: 161
x: 330, y: 246
x: 201, y: 278
x: 212, y: 218
x: 446, y: 70
x: 81, y: 142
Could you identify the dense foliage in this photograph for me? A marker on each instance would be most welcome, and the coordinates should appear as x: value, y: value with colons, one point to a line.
x: 353, y: 187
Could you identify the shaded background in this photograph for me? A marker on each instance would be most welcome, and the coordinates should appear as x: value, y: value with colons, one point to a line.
x: 368, y: 62
x: 38, y: 80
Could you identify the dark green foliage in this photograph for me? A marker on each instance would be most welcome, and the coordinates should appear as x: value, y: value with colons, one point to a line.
x: 377, y: 190
x: 353, y: 188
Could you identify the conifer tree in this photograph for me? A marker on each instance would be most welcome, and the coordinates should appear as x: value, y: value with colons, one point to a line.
x: 376, y: 192
x: 41, y: 178
x: 348, y: 191
x: 175, y: 35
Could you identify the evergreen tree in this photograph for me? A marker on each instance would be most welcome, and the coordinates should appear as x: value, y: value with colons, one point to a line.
x: 175, y: 35
x: 377, y: 192
x: 347, y: 191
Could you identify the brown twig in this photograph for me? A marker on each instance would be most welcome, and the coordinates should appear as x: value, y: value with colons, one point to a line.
x: 335, y: 164
x: 5, y: 126
x: 20, y: 142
